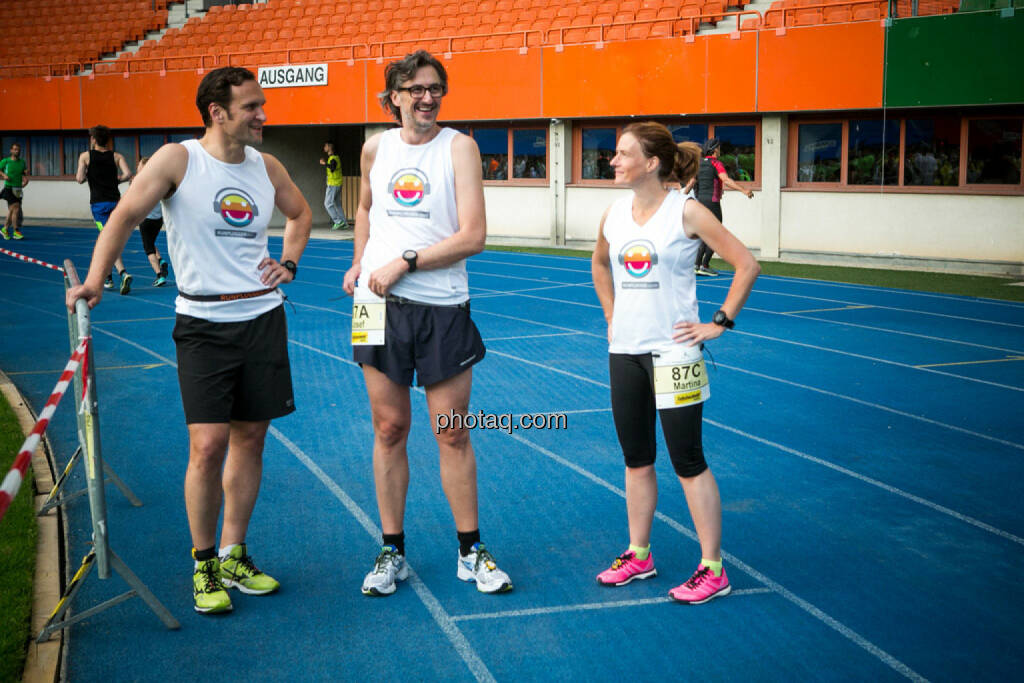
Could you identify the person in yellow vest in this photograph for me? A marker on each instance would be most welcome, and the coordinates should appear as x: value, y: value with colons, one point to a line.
x: 334, y: 181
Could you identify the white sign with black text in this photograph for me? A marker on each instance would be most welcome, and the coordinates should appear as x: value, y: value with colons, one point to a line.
x: 292, y: 75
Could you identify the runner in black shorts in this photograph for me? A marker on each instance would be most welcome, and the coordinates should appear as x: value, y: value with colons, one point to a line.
x: 435, y: 342
x: 234, y: 371
x: 230, y: 333
x: 413, y: 233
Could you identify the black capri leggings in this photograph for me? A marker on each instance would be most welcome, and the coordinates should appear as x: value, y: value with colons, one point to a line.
x: 149, y: 229
x: 632, y: 382
x: 704, y: 252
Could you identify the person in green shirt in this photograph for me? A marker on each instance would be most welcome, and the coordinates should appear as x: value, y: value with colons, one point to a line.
x: 334, y: 180
x: 13, y: 171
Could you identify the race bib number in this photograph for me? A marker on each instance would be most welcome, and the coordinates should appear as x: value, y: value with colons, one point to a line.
x: 369, y: 313
x: 680, y: 378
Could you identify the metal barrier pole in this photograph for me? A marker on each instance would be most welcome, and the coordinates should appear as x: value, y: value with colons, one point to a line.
x: 89, y: 431
x: 89, y: 447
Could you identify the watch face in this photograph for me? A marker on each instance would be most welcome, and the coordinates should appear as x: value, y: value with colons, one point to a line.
x: 718, y: 318
x: 409, y: 255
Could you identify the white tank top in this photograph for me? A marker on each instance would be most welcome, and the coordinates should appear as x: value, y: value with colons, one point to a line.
x: 413, y: 208
x: 216, y: 224
x: 652, y: 270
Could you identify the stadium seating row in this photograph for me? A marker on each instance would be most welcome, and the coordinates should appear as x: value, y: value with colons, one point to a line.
x: 297, y: 29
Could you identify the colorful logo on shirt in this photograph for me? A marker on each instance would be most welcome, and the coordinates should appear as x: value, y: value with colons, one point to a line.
x: 235, y: 206
x: 409, y: 186
x: 638, y: 258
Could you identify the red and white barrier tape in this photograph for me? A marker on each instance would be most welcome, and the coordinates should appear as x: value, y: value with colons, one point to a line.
x: 12, y: 482
x: 30, y: 259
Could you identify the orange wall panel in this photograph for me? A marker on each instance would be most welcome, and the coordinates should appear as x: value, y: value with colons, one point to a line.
x: 638, y: 77
x: 492, y: 85
x: 340, y: 101
x: 30, y: 103
x: 146, y: 100
x: 731, y: 78
x: 836, y: 66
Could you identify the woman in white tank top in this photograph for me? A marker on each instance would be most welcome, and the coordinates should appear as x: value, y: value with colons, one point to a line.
x: 643, y: 274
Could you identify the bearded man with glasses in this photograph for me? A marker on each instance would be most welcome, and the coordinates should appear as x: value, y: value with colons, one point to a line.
x: 420, y: 215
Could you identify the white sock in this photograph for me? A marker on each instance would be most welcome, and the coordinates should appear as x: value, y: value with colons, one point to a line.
x: 226, y: 550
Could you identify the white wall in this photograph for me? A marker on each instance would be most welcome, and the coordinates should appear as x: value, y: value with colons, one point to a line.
x: 519, y: 214
x: 980, y: 228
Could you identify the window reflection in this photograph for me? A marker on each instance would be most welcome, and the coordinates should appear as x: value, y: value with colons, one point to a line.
x: 737, y: 151
x: 932, y: 152
x: 598, y: 150
x: 993, y: 151
x: 493, y: 143
x: 529, y: 154
x: 873, y: 153
x: 819, y: 152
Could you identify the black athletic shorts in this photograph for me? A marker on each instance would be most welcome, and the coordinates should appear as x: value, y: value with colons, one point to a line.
x: 437, y: 342
x: 234, y: 371
x: 7, y: 194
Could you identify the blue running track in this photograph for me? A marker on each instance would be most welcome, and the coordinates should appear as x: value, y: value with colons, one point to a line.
x: 868, y: 444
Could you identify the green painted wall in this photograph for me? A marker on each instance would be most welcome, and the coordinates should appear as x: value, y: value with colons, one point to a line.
x: 957, y: 59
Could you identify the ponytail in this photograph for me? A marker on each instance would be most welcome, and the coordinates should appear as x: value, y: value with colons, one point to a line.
x: 687, y: 160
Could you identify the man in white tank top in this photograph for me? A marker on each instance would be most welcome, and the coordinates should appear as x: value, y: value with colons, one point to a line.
x: 218, y: 194
x: 420, y: 215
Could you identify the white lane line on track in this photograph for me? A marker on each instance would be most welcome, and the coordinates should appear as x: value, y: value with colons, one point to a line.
x: 775, y: 587
x: 441, y: 617
x: 588, y: 606
x: 825, y: 463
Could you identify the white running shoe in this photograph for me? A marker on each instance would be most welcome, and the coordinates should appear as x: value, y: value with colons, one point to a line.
x: 479, y: 566
x: 388, y: 569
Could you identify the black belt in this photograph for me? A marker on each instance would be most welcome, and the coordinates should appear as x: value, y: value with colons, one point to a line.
x: 391, y: 298
x: 226, y: 297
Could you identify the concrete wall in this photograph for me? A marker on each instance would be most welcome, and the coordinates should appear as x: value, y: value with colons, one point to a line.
x: 988, y: 230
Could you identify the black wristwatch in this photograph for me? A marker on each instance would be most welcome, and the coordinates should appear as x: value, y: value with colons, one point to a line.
x: 410, y: 257
x: 290, y: 267
x: 720, y: 318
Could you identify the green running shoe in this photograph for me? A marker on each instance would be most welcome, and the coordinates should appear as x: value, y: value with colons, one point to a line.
x: 207, y: 590
x: 238, y: 571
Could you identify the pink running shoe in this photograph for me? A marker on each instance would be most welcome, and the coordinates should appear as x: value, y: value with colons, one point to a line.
x: 701, y: 587
x: 625, y: 568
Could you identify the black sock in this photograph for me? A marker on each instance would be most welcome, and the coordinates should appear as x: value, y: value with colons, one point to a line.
x: 397, y: 540
x: 467, y: 539
x: 205, y: 554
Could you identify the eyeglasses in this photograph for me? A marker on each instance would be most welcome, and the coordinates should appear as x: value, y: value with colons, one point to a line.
x: 418, y: 91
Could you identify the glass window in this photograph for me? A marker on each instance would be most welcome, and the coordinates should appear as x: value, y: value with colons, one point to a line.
x: 693, y: 132
x: 73, y: 147
x: 45, y: 155
x: 932, y: 152
x: 529, y: 154
x: 873, y: 152
x: 818, y: 152
x: 493, y: 143
x: 993, y: 151
x: 125, y: 145
x: 598, y: 150
x: 737, y: 151
x: 5, y: 148
x: 149, y: 144
x: 180, y: 137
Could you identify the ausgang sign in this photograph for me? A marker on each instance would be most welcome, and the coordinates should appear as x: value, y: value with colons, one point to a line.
x: 292, y: 75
